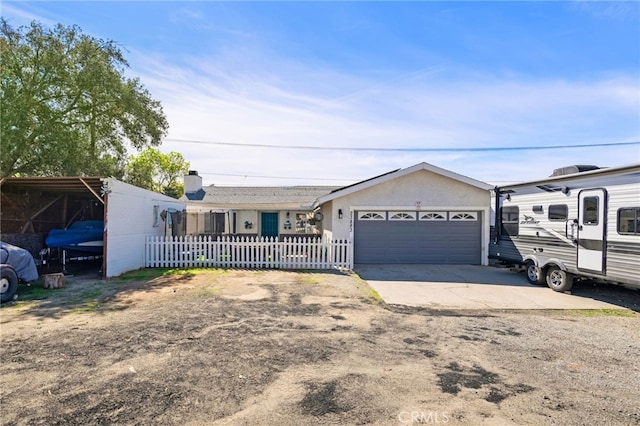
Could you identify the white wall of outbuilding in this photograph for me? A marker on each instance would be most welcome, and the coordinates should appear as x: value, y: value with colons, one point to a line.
x: 131, y: 214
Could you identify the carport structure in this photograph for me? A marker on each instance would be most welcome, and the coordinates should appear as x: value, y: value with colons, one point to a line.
x: 33, y: 206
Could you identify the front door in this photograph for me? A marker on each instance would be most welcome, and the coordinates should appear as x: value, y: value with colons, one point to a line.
x: 269, y: 224
x: 592, y: 205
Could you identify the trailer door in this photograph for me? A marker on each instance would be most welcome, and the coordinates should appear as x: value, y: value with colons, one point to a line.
x: 592, y: 204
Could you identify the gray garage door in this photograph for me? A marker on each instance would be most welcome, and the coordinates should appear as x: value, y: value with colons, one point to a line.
x: 417, y: 237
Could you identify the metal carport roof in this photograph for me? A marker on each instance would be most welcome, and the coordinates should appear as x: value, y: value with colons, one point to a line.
x: 65, y: 184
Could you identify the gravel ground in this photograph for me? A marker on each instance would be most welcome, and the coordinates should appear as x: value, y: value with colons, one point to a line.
x: 301, y: 348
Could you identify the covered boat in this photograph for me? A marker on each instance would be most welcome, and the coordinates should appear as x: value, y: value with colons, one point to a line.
x: 83, y: 236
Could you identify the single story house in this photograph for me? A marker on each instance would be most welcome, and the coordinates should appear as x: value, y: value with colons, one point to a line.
x: 250, y: 211
x: 420, y: 214
x: 33, y: 206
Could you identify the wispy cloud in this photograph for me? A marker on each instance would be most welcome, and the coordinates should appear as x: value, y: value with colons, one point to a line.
x: 224, y: 72
x: 622, y: 10
x: 24, y: 13
x: 188, y: 15
x: 421, y: 109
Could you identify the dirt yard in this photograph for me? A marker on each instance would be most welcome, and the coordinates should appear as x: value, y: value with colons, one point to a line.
x: 295, y: 348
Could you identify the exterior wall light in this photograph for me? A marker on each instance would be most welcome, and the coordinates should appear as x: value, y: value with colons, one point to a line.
x: 339, y: 213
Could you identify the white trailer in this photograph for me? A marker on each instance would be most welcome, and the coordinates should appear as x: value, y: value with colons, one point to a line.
x: 583, y: 222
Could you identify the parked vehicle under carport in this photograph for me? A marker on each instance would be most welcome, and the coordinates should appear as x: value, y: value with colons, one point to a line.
x: 16, y: 264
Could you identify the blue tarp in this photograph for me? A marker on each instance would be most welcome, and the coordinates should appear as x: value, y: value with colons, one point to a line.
x: 81, y: 236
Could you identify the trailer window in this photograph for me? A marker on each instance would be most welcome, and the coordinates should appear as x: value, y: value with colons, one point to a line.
x: 590, y: 210
x: 509, y: 218
x: 629, y: 221
x: 558, y: 212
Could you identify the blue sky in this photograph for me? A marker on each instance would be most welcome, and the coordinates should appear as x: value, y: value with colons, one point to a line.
x: 383, y: 75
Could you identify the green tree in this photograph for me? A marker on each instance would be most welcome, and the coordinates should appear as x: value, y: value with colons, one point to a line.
x: 158, y: 172
x: 67, y: 107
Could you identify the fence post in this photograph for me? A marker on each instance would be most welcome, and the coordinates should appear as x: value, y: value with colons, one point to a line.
x: 146, y: 250
x: 162, y: 247
x: 275, y: 252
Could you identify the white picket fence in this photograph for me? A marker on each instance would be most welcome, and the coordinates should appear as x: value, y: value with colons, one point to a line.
x: 247, y: 252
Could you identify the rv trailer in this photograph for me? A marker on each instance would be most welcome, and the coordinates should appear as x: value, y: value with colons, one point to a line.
x: 582, y: 222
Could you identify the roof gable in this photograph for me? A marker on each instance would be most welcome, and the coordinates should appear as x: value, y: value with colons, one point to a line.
x: 341, y: 192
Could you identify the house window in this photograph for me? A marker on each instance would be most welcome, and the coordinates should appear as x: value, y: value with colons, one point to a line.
x: 402, y: 216
x: 590, y: 210
x: 433, y: 216
x: 301, y: 223
x: 213, y: 222
x: 463, y: 216
x: 629, y: 221
x: 371, y: 216
x: 558, y: 212
x: 509, y: 219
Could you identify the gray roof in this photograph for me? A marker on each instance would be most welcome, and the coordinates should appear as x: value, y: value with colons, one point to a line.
x: 227, y: 196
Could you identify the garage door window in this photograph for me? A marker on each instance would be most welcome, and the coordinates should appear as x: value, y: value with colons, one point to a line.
x: 371, y: 216
x: 402, y: 216
x: 463, y: 216
x: 433, y: 216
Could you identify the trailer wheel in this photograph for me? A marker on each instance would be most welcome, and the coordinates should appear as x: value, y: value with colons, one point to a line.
x: 534, y: 273
x: 8, y: 283
x: 559, y: 280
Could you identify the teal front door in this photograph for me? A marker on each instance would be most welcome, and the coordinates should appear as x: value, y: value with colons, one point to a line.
x: 269, y: 224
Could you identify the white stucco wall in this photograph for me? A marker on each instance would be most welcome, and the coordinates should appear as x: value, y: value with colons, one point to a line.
x: 245, y: 214
x: 428, y: 190
x: 254, y: 216
x: 129, y: 219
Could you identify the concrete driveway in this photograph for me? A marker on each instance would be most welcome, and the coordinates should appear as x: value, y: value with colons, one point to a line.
x: 471, y: 287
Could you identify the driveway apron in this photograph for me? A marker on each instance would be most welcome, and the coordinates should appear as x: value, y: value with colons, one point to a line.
x: 466, y: 287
